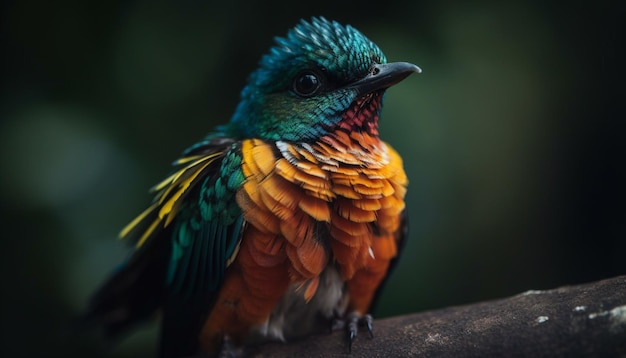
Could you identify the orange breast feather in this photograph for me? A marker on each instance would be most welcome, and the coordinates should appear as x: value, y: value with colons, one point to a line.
x: 351, y: 184
x: 307, y: 206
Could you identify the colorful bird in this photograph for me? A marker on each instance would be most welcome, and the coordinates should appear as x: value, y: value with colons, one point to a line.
x: 281, y: 222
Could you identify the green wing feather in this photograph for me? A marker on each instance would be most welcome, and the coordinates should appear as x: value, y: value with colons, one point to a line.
x: 198, y: 200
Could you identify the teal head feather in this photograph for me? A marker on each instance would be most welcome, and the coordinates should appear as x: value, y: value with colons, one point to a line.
x: 305, y: 83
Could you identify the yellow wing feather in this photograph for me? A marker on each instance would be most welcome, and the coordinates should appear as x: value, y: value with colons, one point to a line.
x: 130, y: 226
x: 169, y: 192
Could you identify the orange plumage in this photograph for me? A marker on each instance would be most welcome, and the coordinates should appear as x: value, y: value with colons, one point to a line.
x: 292, y: 192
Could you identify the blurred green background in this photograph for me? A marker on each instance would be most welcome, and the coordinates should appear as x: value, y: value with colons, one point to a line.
x: 513, y: 139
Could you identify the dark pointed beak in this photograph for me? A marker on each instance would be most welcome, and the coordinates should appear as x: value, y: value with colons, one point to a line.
x: 384, y: 75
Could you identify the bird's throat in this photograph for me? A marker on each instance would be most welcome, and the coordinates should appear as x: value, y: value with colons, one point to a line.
x: 360, y: 124
x: 362, y: 116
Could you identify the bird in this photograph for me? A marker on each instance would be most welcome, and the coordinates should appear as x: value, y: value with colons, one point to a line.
x: 283, y: 222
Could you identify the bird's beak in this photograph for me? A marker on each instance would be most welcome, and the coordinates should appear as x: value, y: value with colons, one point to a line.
x: 383, y: 76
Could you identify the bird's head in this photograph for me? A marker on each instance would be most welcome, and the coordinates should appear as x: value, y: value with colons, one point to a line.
x: 320, y: 77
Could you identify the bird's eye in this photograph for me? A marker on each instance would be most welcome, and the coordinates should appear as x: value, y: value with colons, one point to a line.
x: 307, y: 84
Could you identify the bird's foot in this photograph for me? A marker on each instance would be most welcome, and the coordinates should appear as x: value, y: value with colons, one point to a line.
x: 351, y: 325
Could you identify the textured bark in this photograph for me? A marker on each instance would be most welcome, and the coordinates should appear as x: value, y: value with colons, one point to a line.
x: 584, y: 320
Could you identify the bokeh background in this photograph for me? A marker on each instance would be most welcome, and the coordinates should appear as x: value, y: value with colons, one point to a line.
x: 513, y: 139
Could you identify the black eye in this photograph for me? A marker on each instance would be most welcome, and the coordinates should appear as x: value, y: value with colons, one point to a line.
x: 307, y: 84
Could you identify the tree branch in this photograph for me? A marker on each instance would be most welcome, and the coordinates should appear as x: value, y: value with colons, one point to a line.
x: 588, y: 319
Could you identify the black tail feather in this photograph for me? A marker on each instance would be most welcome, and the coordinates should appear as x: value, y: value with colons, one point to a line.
x: 132, y: 294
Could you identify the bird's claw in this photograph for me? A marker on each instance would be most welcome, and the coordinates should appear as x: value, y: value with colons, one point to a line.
x: 351, y: 325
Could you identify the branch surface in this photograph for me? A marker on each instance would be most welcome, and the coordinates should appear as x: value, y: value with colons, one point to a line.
x: 583, y: 320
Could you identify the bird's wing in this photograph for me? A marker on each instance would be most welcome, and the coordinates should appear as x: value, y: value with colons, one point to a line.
x: 197, y: 204
x: 183, y: 243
